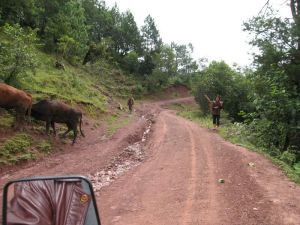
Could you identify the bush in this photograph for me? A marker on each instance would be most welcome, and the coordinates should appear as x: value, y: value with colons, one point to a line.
x: 268, y: 134
x: 70, y: 49
x: 17, y: 52
x: 288, y: 157
x: 17, y: 144
x: 68, y: 28
x: 220, y: 79
x: 44, y: 146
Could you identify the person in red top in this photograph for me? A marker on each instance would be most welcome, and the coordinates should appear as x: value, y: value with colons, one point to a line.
x: 215, y: 108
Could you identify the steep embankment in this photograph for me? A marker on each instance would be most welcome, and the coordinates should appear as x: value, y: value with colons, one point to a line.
x: 98, y: 89
x: 92, y: 88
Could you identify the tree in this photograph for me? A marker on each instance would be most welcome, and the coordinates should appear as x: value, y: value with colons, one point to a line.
x: 99, y: 19
x: 165, y: 61
x: 147, y: 65
x: 219, y: 79
x: 22, y: 12
x: 67, y: 30
x: 130, y: 62
x: 276, y: 87
x: 125, y: 33
x: 17, y: 52
x: 130, y: 34
x: 295, y: 9
x: 185, y: 64
x: 151, y: 37
x: 102, y: 50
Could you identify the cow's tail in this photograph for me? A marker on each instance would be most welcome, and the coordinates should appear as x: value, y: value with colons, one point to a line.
x: 80, y: 125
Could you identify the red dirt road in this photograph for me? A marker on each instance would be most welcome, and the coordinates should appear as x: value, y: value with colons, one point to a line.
x: 177, y: 183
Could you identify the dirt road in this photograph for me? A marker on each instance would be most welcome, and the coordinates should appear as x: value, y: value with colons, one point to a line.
x: 178, y: 184
x: 177, y: 181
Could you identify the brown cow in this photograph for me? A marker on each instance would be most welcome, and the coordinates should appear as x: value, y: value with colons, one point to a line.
x: 12, y: 98
x: 57, y: 112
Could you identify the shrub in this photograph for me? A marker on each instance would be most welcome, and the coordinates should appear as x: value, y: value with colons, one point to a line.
x: 18, y: 144
x: 17, y: 52
x: 44, y: 146
x: 288, y: 157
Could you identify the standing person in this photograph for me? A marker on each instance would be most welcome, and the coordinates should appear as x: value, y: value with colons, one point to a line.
x: 130, y: 104
x: 215, y: 108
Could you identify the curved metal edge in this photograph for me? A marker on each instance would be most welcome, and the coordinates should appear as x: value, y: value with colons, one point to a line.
x: 5, y: 191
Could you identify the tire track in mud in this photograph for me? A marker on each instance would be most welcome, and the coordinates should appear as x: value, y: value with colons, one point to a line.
x: 200, y: 206
x: 206, y: 179
x: 153, y: 186
x: 187, y: 216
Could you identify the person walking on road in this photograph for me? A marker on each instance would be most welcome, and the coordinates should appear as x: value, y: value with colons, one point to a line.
x: 130, y: 104
x: 215, y: 108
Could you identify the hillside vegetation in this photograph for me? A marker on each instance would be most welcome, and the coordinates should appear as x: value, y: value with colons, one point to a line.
x: 108, y: 58
x: 103, y: 57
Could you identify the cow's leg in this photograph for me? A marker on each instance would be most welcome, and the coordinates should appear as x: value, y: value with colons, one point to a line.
x: 47, y: 126
x: 80, y: 123
x: 69, y: 129
x: 53, y: 127
x: 19, y: 118
x: 75, y: 131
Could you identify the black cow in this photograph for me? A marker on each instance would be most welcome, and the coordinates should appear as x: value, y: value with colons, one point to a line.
x: 57, y: 112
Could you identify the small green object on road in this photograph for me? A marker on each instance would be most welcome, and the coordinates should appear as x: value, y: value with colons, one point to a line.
x: 221, y: 181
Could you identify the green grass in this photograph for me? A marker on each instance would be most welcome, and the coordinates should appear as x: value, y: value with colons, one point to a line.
x: 88, y: 87
x: 116, y: 122
x: 17, y: 144
x: 15, y: 149
x: 44, y: 146
x: 235, y: 134
x: 6, y: 120
x: 114, y: 82
x: 192, y: 113
x: 22, y: 147
x: 73, y: 85
x: 198, y: 117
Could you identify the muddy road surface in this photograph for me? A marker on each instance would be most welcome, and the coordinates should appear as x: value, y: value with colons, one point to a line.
x: 162, y: 169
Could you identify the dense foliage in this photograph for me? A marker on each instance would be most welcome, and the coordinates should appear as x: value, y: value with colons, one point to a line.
x: 87, y: 31
x: 275, y: 82
x: 17, y: 53
x: 266, y: 98
x: 219, y: 79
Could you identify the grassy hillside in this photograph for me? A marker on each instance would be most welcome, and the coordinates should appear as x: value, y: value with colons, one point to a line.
x: 73, y: 84
x: 96, y: 89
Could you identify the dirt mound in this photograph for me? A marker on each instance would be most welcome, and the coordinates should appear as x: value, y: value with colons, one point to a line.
x: 173, y: 92
x: 176, y: 91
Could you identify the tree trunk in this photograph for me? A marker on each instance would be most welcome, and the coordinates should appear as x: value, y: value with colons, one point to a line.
x: 295, y: 8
